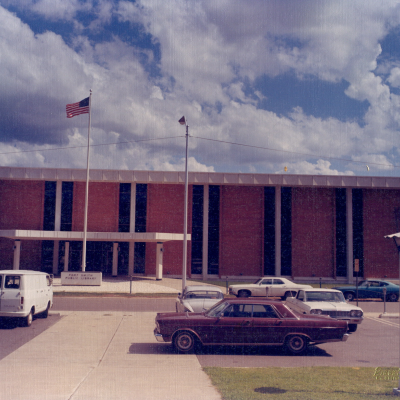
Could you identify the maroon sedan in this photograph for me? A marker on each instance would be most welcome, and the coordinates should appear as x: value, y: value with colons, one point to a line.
x: 248, y: 322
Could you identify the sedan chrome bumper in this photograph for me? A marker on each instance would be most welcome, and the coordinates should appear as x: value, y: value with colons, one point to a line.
x: 161, y: 338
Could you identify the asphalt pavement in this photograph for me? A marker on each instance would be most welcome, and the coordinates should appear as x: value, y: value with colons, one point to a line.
x: 106, y: 355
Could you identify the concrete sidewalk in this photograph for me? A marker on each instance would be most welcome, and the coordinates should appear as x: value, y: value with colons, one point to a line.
x: 102, y: 356
x: 121, y: 285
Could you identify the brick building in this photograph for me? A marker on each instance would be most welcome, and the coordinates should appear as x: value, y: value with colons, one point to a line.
x: 241, y: 225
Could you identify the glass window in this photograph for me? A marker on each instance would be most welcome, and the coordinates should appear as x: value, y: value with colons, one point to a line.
x: 263, y: 311
x: 238, y: 311
x: 301, y: 295
x: 266, y: 282
x: 11, y: 282
x: 278, y: 282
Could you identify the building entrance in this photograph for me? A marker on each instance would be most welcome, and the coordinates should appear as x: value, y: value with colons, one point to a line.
x: 99, y: 256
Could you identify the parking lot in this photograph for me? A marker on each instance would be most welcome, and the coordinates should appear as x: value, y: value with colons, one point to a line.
x: 103, y: 347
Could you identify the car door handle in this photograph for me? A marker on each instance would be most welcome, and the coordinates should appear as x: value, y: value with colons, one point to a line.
x: 246, y: 323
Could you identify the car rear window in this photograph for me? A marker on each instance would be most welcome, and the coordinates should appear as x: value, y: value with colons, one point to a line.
x: 204, y: 294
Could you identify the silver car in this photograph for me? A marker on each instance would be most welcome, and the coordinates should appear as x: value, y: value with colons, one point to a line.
x: 198, y: 298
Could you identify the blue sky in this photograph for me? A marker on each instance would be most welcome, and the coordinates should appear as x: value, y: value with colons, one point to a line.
x: 309, y: 85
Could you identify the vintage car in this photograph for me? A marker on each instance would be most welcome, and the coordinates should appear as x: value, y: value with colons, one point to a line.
x: 198, y: 298
x: 326, y: 302
x: 267, y: 286
x: 371, y: 289
x: 248, y: 322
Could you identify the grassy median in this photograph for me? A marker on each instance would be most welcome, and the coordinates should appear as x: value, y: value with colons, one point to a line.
x: 304, y: 383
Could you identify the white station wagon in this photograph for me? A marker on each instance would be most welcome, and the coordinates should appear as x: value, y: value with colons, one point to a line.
x: 328, y: 302
x: 267, y: 286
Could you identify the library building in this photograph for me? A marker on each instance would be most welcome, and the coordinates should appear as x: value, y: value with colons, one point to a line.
x: 240, y: 226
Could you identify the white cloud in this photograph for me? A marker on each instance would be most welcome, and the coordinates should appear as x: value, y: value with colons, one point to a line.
x: 209, y: 52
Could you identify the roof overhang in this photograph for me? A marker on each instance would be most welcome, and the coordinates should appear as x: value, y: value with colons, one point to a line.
x: 156, y: 237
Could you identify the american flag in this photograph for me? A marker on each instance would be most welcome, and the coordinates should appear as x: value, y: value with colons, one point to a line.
x: 82, y: 107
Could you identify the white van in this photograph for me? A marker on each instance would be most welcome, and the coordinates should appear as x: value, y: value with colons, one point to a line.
x: 25, y: 293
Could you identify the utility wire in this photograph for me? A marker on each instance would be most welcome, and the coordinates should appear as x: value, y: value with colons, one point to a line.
x: 211, y: 140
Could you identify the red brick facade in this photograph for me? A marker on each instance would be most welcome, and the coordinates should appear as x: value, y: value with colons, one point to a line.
x: 165, y: 205
x: 313, y: 232
x: 241, y: 230
x: 379, y: 217
x: 241, y: 226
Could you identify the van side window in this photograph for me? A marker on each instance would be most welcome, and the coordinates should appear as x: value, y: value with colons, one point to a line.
x: 49, y: 280
x: 11, y: 282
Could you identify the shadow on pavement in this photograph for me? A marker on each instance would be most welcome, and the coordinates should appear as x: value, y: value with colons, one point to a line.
x: 271, y: 351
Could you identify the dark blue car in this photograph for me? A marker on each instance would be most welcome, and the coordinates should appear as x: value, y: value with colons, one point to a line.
x: 371, y: 289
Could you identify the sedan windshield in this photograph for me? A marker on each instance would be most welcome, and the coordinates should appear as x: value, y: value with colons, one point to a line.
x: 325, y: 296
x: 217, y: 309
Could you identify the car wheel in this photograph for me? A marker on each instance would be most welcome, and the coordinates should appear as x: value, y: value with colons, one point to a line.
x: 244, y: 293
x: 349, y: 296
x: 29, y: 319
x: 45, y: 313
x: 184, y: 342
x: 352, y: 328
x: 296, y: 344
x: 392, y: 297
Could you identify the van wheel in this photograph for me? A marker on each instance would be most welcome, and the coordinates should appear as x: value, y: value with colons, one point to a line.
x: 29, y: 319
x: 45, y: 313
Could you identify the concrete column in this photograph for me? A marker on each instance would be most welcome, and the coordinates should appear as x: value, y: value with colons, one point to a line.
x: 159, y: 261
x: 17, y: 254
x: 55, y: 256
x: 206, y: 202
x: 278, y: 231
x: 131, y: 261
x: 132, y: 227
x: 115, y: 259
x: 66, y: 256
x: 349, y: 234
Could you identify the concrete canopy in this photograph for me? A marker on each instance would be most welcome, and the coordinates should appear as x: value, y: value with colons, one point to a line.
x: 155, y: 237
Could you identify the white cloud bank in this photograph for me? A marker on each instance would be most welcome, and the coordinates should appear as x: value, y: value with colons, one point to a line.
x: 209, y: 52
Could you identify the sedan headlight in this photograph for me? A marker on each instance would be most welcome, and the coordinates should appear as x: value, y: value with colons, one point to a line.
x: 356, y: 313
x: 316, y: 311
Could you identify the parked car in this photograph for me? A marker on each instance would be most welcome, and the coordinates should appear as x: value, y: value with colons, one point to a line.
x: 371, y: 289
x: 248, y: 322
x: 329, y: 302
x: 270, y: 287
x: 198, y: 298
x: 24, y: 294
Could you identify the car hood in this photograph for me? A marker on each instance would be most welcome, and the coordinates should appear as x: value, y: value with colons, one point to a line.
x: 331, y: 306
x: 175, y: 316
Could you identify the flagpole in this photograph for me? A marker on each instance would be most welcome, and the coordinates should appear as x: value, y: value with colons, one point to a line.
x: 87, y: 189
x: 183, y: 121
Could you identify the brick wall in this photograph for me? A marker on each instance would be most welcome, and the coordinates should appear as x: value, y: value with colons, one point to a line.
x: 380, y: 255
x: 21, y: 207
x: 313, y: 232
x: 241, y: 230
x: 102, y: 207
x: 165, y: 214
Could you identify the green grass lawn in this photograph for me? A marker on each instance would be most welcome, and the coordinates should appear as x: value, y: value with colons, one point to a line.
x: 302, y: 383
